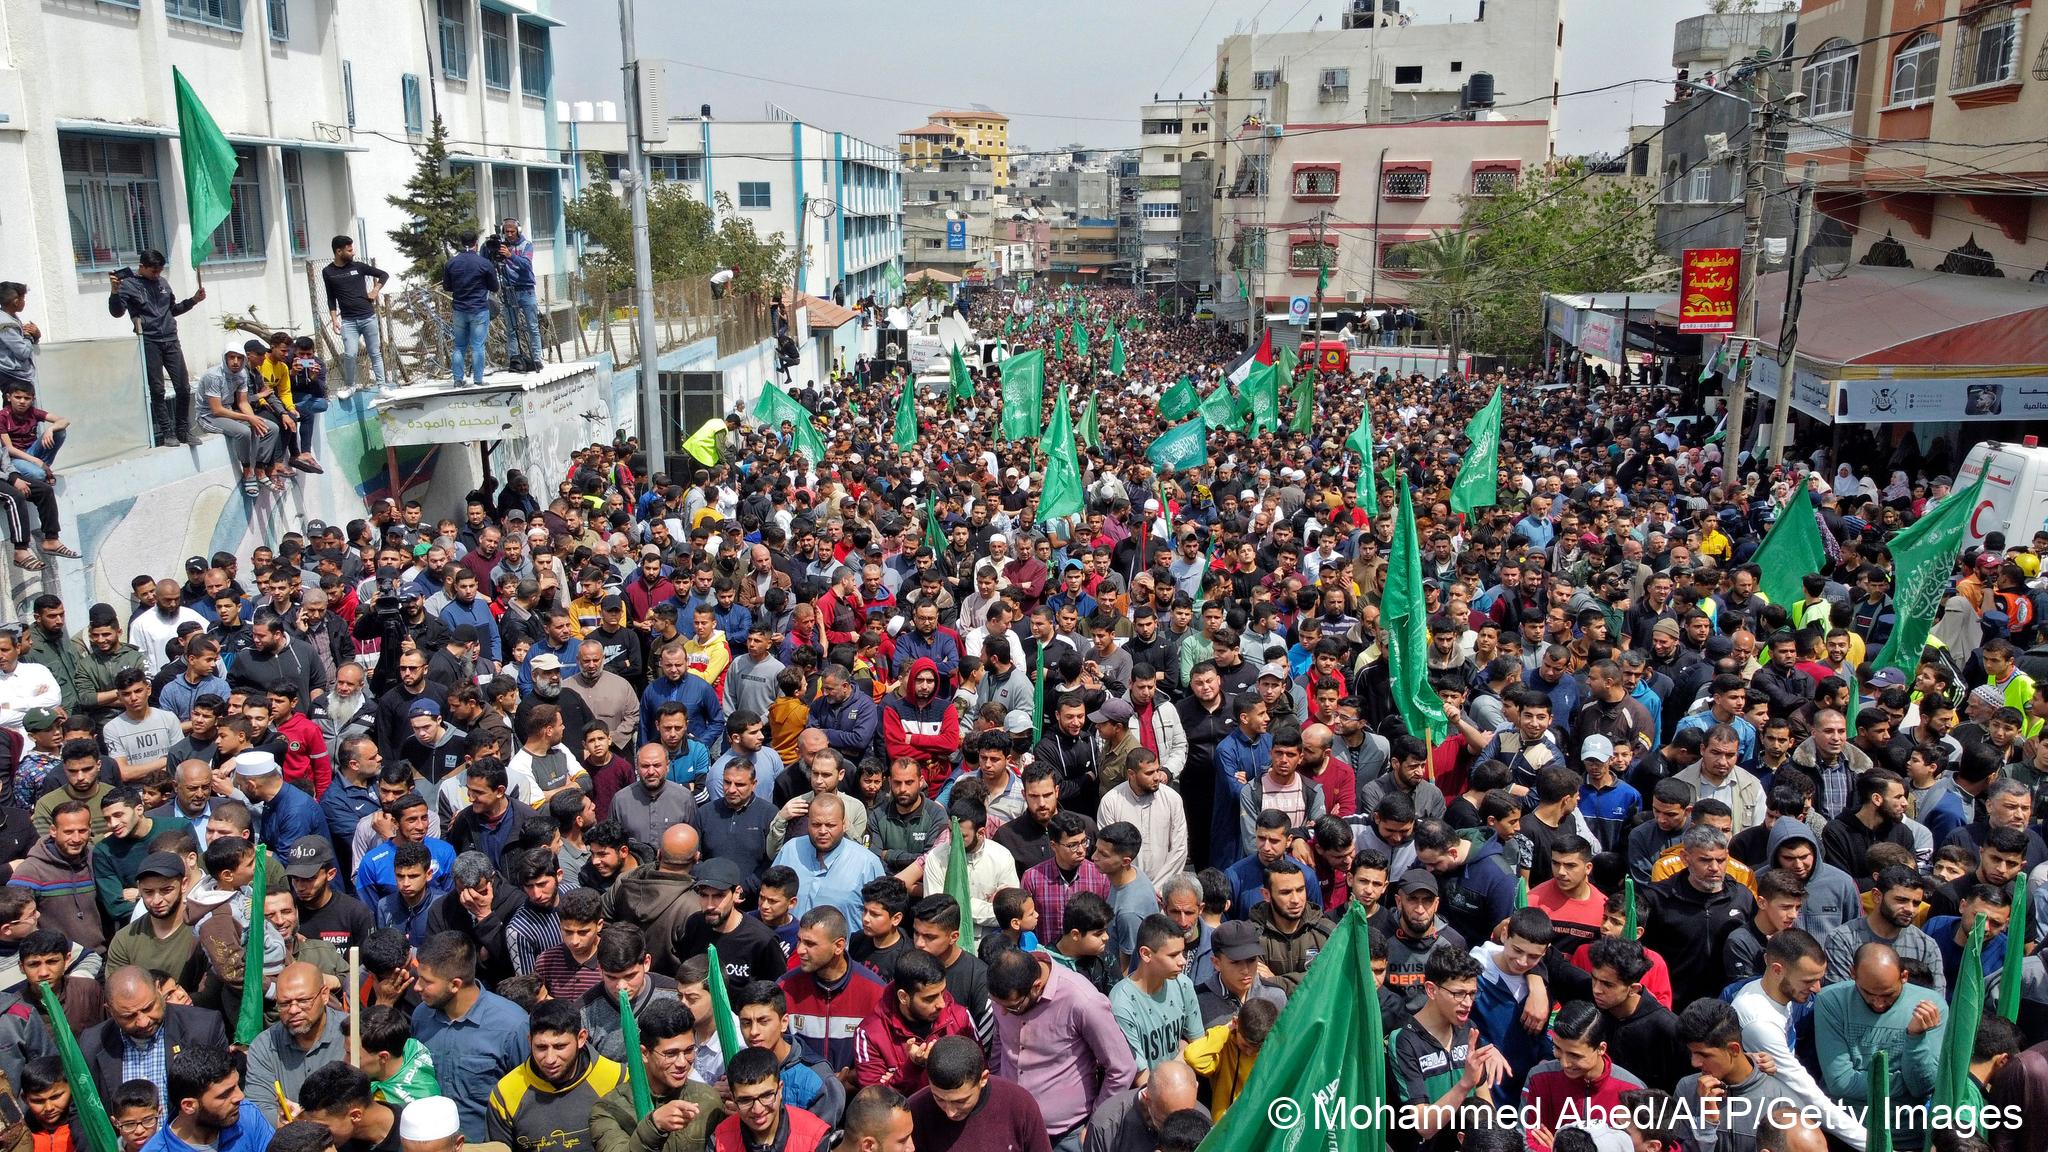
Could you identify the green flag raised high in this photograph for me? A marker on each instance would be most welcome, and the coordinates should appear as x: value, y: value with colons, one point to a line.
x: 1329, y: 1045
x: 1219, y: 408
x: 957, y: 885
x: 1176, y: 402
x: 1406, y: 621
x: 1924, y: 556
x: 1081, y: 337
x: 1023, y: 394
x: 961, y: 386
x: 1360, y: 441
x: 209, y: 163
x: 1181, y: 447
x: 905, y: 437
x: 1261, y: 391
x: 1059, y: 347
x: 91, y: 1111
x: 1790, y: 550
x: 1060, y: 494
x: 1090, y: 431
x: 934, y: 531
x: 1116, y: 353
x: 1478, y: 482
x: 776, y: 406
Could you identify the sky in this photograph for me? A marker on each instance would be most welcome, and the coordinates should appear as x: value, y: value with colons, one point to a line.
x: 1064, y: 71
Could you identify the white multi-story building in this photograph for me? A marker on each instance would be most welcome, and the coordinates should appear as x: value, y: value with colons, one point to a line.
x: 836, y: 197
x: 324, y: 102
x: 1372, y: 134
x: 1172, y: 132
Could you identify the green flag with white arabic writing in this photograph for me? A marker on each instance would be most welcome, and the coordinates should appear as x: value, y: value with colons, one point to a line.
x: 1261, y: 391
x: 1023, y: 394
x: 209, y: 164
x: 1181, y: 447
x: 776, y: 407
x: 1478, y: 482
x: 1405, y: 618
x: 1924, y: 556
x: 1178, y: 401
x: 1219, y: 408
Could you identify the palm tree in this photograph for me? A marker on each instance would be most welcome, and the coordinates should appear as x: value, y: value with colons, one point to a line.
x: 1447, y: 265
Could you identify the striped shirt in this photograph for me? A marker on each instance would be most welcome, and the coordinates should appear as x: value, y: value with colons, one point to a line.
x: 530, y: 932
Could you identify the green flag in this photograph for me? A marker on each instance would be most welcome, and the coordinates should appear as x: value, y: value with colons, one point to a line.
x: 962, y: 387
x: 1080, y: 337
x: 1181, y: 447
x: 1329, y: 1045
x: 721, y: 1007
x: 85, y: 1093
x: 209, y: 162
x: 776, y: 406
x: 1952, y: 1087
x: 1037, y: 705
x: 1322, y: 272
x: 1360, y: 441
x: 934, y: 531
x: 1059, y: 345
x: 2015, y: 940
x: 1877, y: 1088
x: 1478, y: 482
x: 1090, y: 431
x: 1116, y: 353
x: 1006, y: 330
x: 1522, y: 892
x: 249, y: 1021
x: 1923, y: 556
x: 1285, y: 362
x: 1261, y: 391
x: 957, y: 885
x: 1023, y: 394
x: 1060, y: 494
x: 1790, y: 550
x: 1305, y: 404
x: 1628, y: 913
x: 636, y: 1063
x: 1136, y: 327
x: 1406, y: 621
x: 1219, y: 408
x: 1178, y: 401
x: 906, y: 417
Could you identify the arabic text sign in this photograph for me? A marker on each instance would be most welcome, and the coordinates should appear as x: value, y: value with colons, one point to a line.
x: 453, y: 419
x: 1810, y: 394
x: 1707, y: 289
x: 1893, y: 400
x: 1600, y: 335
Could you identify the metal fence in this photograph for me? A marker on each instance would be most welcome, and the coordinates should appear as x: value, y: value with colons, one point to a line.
x: 579, y: 318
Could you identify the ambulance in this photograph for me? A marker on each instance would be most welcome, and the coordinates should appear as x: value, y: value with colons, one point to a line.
x: 2015, y: 499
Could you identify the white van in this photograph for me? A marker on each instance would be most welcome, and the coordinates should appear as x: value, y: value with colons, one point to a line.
x: 2015, y: 499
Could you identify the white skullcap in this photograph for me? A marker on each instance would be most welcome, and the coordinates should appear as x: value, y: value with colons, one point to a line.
x: 429, y: 1118
x: 256, y: 764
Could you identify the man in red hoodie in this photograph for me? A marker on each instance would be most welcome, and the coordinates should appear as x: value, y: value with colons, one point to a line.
x: 892, y: 1043
x: 919, y: 724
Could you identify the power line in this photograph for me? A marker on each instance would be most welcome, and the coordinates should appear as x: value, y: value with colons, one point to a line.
x: 1197, y: 31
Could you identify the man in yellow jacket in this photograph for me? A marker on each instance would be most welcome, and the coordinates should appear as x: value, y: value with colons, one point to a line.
x: 546, y: 1102
x: 1223, y: 1056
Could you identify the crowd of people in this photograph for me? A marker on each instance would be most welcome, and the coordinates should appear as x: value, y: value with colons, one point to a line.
x: 497, y: 783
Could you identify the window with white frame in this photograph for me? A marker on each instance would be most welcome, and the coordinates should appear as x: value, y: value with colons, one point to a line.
x: 1264, y: 79
x: 241, y: 237
x: 1165, y: 211
x: 497, y: 28
x: 536, y: 61
x: 1914, y: 69
x: 296, y: 225
x: 543, y: 201
x: 1830, y: 79
x: 113, y: 196
x: 754, y: 194
x: 1699, y: 184
x: 216, y: 13
x: 1315, y: 182
x: 1987, y: 47
x: 454, y: 38
x: 1493, y: 181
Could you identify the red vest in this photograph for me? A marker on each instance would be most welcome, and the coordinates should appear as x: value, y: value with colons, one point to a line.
x: 806, y: 1132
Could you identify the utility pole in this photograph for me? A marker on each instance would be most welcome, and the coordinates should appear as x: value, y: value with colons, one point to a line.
x: 1322, y: 274
x: 1754, y: 149
x: 1788, y: 328
x: 653, y: 435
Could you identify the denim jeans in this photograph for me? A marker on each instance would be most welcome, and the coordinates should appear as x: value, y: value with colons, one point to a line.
x: 361, y: 333
x: 470, y: 330
x: 309, y: 407
x: 37, y: 470
x: 522, y: 324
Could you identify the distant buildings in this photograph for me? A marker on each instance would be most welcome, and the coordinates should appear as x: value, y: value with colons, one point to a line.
x: 980, y: 133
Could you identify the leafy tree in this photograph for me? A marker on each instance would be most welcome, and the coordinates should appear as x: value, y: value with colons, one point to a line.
x: 1556, y: 231
x: 686, y: 238
x: 1448, y: 265
x: 441, y: 207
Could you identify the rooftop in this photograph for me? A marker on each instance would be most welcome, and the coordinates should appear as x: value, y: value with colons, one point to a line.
x: 955, y: 114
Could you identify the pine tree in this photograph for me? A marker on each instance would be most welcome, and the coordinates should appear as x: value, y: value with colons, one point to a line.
x: 441, y: 206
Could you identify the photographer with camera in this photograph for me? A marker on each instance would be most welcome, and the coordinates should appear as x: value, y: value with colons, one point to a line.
x: 469, y: 281
x: 513, y: 256
x: 141, y: 294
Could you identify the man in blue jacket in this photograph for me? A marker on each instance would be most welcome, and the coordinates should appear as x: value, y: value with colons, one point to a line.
x: 676, y: 685
x: 522, y: 303
x: 469, y: 279
x: 846, y: 717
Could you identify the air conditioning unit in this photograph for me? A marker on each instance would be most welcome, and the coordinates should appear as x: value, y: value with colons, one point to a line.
x: 1353, y: 296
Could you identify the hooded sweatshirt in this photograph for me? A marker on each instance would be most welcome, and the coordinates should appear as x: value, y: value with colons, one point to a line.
x: 881, y: 1044
x: 17, y: 351
x: 1831, y: 896
x: 925, y: 729
x: 64, y: 891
